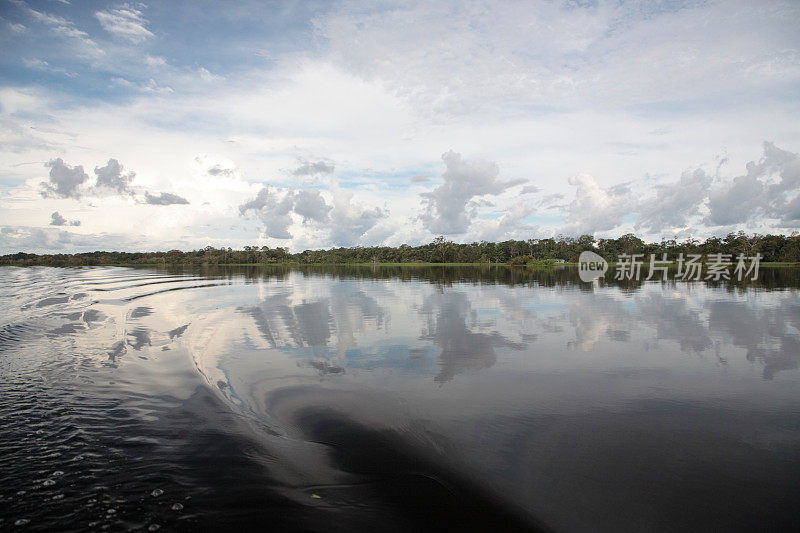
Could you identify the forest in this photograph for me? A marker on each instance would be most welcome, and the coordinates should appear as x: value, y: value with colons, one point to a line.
x: 773, y: 248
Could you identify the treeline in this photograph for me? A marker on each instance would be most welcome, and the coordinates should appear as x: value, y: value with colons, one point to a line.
x: 773, y: 248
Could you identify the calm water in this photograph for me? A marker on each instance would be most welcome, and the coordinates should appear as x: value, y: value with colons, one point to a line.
x: 389, y: 399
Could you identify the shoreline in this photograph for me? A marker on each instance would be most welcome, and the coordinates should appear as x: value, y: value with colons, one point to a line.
x: 770, y: 264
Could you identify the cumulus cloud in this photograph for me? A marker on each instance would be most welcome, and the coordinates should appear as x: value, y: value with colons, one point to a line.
x: 595, y: 208
x: 32, y: 239
x: 112, y: 177
x: 125, y: 22
x: 64, y: 181
x: 511, y: 225
x: 768, y: 189
x: 351, y: 220
x: 48, y: 240
x: 674, y: 203
x: 216, y: 166
x: 445, y: 208
x: 739, y: 200
x: 345, y: 221
x: 419, y: 178
x: 218, y: 170
x: 310, y: 205
x: 550, y: 201
x: 57, y: 220
x: 164, y: 198
x: 273, y: 207
x: 312, y: 168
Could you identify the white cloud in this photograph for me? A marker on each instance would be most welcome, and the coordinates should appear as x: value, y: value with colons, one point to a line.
x: 164, y: 198
x: 310, y: 205
x: 625, y: 93
x: 83, y: 45
x: 44, y: 66
x: 595, y: 208
x: 208, y: 76
x: 446, y: 206
x: 351, y: 220
x: 155, y: 61
x: 312, y: 168
x: 22, y: 100
x: 111, y: 176
x: 57, y: 220
x: 451, y: 57
x: 273, y: 207
x: 125, y: 22
x: 674, y: 203
x: 15, y: 138
x: 54, y: 240
x: 768, y: 189
x: 530, y: 189
x: 16, y: 27
x: 510, y: 225
x: 64, y: 181
x: 344, y: 222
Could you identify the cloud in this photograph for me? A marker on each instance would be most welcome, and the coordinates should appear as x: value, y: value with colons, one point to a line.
x: 451, y: 57
x: 768, y: 189
x: 48, y: 240
x: 44, y: 66
x: 216, y: 166
x: 350, y: 220
x: 511, y: 225
x: 445, y: 210
x: 125, y: 22
x: 273, y: 207
x: 783, y: 195
x: 164, y: 198
x: 16, y: 28
x: 309, y: 168
x: 155, y: 61
x: 64, y: 180
x: 310, y: 204
x: 14, y: 138
x: 207, y: 75
x: 530, y: 189
x: 62, y: 27
x: 739, y: 200
x: 595, y: 208
x: 112, y: 177
x: 217, y: 170
x: 345, y: 221
x: 548, y: 202
x: 419, y: 178
x: 57, y: 220
x: 674, y: 203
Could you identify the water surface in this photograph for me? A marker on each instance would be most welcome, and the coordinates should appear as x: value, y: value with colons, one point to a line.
x: 341, y: 398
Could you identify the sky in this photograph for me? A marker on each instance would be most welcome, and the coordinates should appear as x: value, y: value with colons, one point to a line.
x: 310, y: 125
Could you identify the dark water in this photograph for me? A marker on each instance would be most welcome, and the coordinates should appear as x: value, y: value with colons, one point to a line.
x: 396, y: 399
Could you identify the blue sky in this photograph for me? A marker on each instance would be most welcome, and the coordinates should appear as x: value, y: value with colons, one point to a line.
x: 162, y: 125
